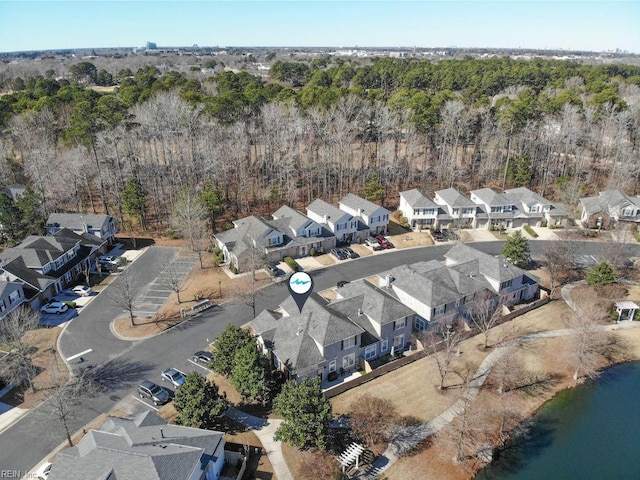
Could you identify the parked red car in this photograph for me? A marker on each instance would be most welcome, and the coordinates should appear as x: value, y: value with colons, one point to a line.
x: 383, y: 241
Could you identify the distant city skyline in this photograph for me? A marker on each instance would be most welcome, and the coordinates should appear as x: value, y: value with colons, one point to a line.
x: 568, y: 25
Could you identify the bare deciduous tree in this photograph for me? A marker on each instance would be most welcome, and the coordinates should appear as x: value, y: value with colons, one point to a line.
x: 17, y: 366
x: 190, y: 219
x: 123, y: 293
x: 443, y: 348
x: 373, y: 419
x: 587, y: 346
x: 558, y: 257
x: 486, y: 313
x: 67, y: 396
x: 173, y: 279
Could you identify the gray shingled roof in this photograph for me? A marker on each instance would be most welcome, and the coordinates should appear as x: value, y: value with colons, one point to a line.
x: 295, y: 335
x: 355, y: 202
x: 246, y: 230
x: 497, y: 268
x: 377, y: 304
x: 76, y: 221
x: 433, y: 283
x: 321, y: 208
x: 607, y: 199
x: 454, y: 198
x: 418, y: 199
x: 6, y: 288
x: 526, y: 196
x: 297, y: 219
x: 491, y: 197
x: 144, y: 447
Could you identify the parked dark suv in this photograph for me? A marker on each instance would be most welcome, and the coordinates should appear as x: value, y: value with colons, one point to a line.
x: 155, y: 393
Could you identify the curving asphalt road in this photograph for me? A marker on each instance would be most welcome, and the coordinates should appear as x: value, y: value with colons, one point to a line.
x: 122, y: 364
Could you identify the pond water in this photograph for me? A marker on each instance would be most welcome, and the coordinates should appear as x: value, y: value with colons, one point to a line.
x: 591, y: 432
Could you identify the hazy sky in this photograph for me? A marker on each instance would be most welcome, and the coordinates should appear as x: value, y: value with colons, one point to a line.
x: 580, y: 25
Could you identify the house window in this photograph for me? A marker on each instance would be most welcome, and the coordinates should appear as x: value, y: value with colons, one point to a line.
x: 421, y: 324
x: 385, y: 216
x: 59, y: 263
x: 14, y: 296
x: 506, y: 284
x: 332, y: 366
x: 349, y: 361
x: 456, y: 211
x: 457, y: 302
x: 627, y: 212
x: 439, y: 310
x: 398, y: 342
x: 349, y: 342
x: 370, y: 352
x: 535, y: 208
x: 67, y: 277
x: 468, y: 211
x: 495, y: 209
x: 46, y: 268
x: 276, y: 362
x: 3, y: 306
x: 398, y: 324
x: 384, y: 346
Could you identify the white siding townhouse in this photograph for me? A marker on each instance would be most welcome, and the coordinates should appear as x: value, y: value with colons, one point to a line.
x: 346, y: 227
x: 304, y: 233
x: 375, y: 217
x: 458, y: 209
x: 533, y: 209
x: 419, y: 208
x: 497, y: 208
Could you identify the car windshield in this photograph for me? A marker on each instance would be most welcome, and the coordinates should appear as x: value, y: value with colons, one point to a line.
x: 155, y: 390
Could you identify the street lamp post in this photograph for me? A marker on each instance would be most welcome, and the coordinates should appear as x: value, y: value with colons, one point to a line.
x: 220, y: 288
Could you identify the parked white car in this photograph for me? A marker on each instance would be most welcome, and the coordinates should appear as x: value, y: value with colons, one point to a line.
x: 82, y: 290
x: 54, y: 307
x: 173, y: 376
x: 108, y: 260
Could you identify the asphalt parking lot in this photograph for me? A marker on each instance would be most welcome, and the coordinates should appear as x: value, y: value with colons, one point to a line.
x: 158, y: 291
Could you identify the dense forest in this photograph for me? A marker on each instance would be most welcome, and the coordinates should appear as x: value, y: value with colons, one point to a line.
x: 319, y: 128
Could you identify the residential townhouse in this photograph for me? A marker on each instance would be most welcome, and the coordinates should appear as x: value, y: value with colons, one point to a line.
x: 459, y: 210
x: 310, y: 342
x: 44, y: 265
x: 444, y: 292
x: 102, y: 226
x: 496, y: 210
x: 142, y: 447
x: 255, y: 241
x: 304, y: 233
x: 419, y: 208
x: 332, y: 337
x: 610, y: 208
x: 375, y: 217
x: 534, y: 210
x: 368, y: 319
x: 11, y: 297
x: 346, y: 227
x: 252, y: 243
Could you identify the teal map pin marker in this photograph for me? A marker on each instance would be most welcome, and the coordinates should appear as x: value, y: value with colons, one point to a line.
x: 300, y: 286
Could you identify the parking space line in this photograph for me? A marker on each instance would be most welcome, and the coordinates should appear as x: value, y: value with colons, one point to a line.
x: 144, y: 403
x: 198, y: 365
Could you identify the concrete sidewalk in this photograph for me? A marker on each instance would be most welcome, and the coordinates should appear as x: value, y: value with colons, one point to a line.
x: 10, y: 415
x: 265, y: 429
